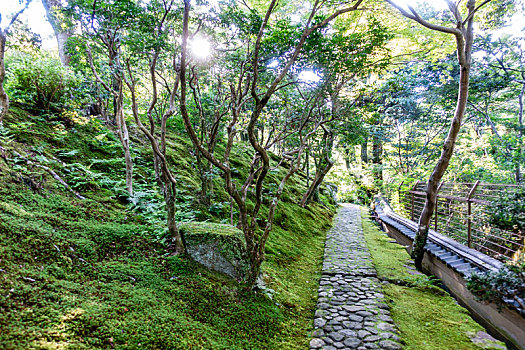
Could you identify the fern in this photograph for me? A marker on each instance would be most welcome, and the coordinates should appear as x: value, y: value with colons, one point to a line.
x: 6, y: 137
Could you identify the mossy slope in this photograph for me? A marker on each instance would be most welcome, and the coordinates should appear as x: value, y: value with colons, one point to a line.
x: 94, y: 273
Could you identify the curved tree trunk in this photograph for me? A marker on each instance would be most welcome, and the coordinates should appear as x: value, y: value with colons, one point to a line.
x: 440, y: 168
x: 463, y: 32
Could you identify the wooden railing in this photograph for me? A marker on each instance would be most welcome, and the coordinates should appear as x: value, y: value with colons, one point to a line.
x: 461, y: 214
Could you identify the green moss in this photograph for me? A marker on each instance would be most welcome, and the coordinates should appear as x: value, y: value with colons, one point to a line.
x: 95, y: 274
x: 292, y: 268
x: 219, y: 247
x: 390, y: 259
x: 430, y: 321
x: 427, y: 317
x: 210, y: 228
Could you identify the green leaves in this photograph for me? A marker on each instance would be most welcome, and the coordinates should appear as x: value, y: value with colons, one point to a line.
x: 508, y: 211
x: 350, y: 47
x: 502, y: 286
x: 41, y: 83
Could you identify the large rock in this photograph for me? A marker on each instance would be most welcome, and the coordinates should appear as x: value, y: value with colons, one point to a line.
x: 218, y: 247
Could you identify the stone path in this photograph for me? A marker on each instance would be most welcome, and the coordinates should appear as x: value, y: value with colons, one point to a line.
x: 350, y: 311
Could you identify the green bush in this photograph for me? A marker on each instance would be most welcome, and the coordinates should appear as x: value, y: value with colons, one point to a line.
x: 508, y: 212
x: 42, y: 84
x: 507, y: 283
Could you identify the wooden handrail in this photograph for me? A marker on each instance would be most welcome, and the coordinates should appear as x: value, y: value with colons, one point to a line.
x: 454, y: 198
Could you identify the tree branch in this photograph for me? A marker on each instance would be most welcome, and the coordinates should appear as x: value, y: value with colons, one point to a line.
x: 415, y: 16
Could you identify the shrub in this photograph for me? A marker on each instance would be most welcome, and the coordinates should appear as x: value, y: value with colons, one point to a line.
x: 42, y: 84
x: 508, y: 212
x: 502, y: 286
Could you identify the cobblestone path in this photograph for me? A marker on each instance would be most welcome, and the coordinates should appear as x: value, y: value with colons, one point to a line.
x: 350, y: 311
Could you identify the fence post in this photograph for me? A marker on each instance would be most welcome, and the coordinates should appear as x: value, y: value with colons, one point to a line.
x: 469, y: 213
x: 436, y: 209
x: 412, y: 195
x: 399, y: 195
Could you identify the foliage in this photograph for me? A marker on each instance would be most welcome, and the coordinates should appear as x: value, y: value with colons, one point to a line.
x: 508, y: 211
x: 5, y: 136
x: 41, y: 83
x: 109, y: 252
x: 21, y: 38
x: 502, y: 286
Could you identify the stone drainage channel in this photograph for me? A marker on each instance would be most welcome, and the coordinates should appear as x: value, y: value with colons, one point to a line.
x: 351, y: 313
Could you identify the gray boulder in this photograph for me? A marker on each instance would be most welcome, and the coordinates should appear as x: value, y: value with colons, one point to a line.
x: 218, y: 247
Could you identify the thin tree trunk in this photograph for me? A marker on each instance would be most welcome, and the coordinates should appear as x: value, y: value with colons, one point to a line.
x: 440, y: 168
x: 116, y: 90
x: 4, y: 100
x: 203, y: 195
x: 364, y: 151
x: 127, y: 154
x: 318, y: 180
x: 321, y: 169
x: 349, y: 156
x: 123, y: 134
x: 177, y: 243
x: 377, y: 151
x: 520, y: 136
x: 308, y: 167
x: 62, y: 34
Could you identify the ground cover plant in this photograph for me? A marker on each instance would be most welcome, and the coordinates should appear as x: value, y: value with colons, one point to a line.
x: 94, y: 273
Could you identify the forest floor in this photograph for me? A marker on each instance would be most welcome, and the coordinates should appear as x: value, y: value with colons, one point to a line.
x: 94, y: 273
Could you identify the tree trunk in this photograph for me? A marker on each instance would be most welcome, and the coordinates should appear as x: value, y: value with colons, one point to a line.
x: 62, y: 34
x: 349, y: 157
x: 441, y: 167
x: 321, y: 169
x: 4, y: 100
x: 307, y: 167
x: 318, y: 180
x: 202, y: 175
x: 123, y: 134
x: 519, y: 146
x: 177, y: 242
x: 364, y: 151
x: 463, y: 32
x: 377, y: 151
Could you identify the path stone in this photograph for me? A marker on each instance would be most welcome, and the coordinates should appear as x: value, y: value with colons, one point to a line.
x: 351, y: 313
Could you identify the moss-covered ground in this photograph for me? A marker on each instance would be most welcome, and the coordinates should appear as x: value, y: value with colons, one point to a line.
x: 427, y: 317
x: 94, y: 273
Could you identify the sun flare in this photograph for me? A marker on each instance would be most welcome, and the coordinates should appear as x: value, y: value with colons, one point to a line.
x: 200, y: 48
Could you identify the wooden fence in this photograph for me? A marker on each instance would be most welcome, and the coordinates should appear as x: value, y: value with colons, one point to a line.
x: 462, y: 214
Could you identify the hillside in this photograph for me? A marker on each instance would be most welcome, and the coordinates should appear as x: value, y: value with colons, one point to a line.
x: 94, y: 273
